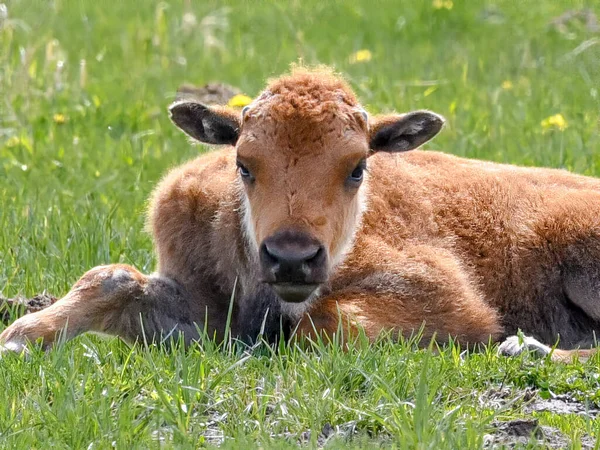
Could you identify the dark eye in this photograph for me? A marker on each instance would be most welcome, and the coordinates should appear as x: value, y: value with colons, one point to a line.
x: 357, y: 174
x: 244, y: 172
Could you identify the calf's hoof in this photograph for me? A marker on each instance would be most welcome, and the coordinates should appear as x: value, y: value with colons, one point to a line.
x: 515, y: 345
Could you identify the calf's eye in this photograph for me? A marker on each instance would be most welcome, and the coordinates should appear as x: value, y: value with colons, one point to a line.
x: 357, y: 174
x: 244, y: 172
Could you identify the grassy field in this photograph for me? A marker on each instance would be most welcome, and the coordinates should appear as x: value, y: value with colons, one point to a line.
x: 84, y: 136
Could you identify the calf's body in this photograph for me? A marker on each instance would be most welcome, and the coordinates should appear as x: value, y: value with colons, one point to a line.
x: 463, y: 248
x: 473, y: 249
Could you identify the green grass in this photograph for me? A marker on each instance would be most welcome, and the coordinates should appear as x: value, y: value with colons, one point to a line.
x: 73, y: 195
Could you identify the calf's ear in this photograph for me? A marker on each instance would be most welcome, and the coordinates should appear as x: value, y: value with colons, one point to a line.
x: 403, y: 132
x: 210, y: 124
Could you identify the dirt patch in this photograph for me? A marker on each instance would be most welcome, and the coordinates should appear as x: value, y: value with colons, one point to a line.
x: 21, y: 305
x: 500, y: 398
x: 584, y: 17
x: 209, y: 94
x: 325, y: 435
x: 529, y: 401
x: 562, y: 404
x: 344, y: 432
x: 520, y: 432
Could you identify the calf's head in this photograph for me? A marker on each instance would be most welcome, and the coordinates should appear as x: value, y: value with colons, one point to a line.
x: 302, y: 155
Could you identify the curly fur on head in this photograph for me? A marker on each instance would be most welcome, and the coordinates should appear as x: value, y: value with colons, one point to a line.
x: 315, y: 94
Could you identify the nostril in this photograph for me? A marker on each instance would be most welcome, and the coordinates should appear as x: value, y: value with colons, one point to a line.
x: 271, y: 253
x: 292, y: 254
x: 315, y: 256
x: 292, y: 257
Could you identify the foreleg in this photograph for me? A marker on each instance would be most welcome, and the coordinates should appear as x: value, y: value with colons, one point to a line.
x: 117, y: 300
x: 515, y: 345
x: 423, y: 288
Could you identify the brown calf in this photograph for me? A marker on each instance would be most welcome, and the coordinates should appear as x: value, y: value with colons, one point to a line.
x: 320, y: 213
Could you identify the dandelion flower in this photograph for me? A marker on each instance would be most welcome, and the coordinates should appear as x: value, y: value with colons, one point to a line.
x: 507, y: 85
x: 239, y: 101
x: 360, y: 56
x: 442, y: 4
x: 556, y: 122
x: 59, y: 118
x: 13, y: 141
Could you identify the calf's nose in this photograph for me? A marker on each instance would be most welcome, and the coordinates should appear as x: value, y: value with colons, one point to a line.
x: 291, y: 257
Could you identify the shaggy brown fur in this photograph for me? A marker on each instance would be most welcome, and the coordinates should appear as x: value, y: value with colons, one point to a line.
x: 468, y: 249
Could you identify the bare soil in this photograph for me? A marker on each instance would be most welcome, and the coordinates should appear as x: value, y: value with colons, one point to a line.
x: 11, y: 308
x: 209, y: 94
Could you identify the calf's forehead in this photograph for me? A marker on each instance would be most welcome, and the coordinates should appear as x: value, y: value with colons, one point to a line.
x: 302, y: 113
x: 298, y: 137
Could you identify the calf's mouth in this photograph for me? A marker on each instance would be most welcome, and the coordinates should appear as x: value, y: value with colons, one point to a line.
x: 294, y: 292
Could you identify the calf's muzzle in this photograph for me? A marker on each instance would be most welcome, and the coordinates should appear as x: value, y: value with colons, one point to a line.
x: 293, y: 263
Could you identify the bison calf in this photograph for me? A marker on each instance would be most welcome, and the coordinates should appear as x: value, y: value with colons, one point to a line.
x: 317, y: 212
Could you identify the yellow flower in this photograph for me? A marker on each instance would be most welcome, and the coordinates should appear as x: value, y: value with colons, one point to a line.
x: 22, y: 141
x: 59, y: 118
x: 360, y: 56
x: 557, y: 122
x: 507, y: 85
x: 445, y: 4
x: 13, y: 141
x: 239, y: 101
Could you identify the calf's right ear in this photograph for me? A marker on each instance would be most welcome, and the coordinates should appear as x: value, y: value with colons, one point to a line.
x: 403, y: 132
x: 210, y: 124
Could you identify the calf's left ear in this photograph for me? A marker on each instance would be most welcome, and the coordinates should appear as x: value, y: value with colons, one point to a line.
x: 210, y: 124
x: 400, y: 133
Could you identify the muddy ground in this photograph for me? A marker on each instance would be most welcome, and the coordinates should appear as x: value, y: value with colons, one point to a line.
x: 19, y: 306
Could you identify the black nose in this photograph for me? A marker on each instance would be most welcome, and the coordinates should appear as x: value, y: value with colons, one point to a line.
x: 292, y: 257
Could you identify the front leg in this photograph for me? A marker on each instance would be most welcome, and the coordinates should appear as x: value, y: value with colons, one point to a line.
x: 117, y: 300
x: 515, y: 345
x: 419, y: 288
